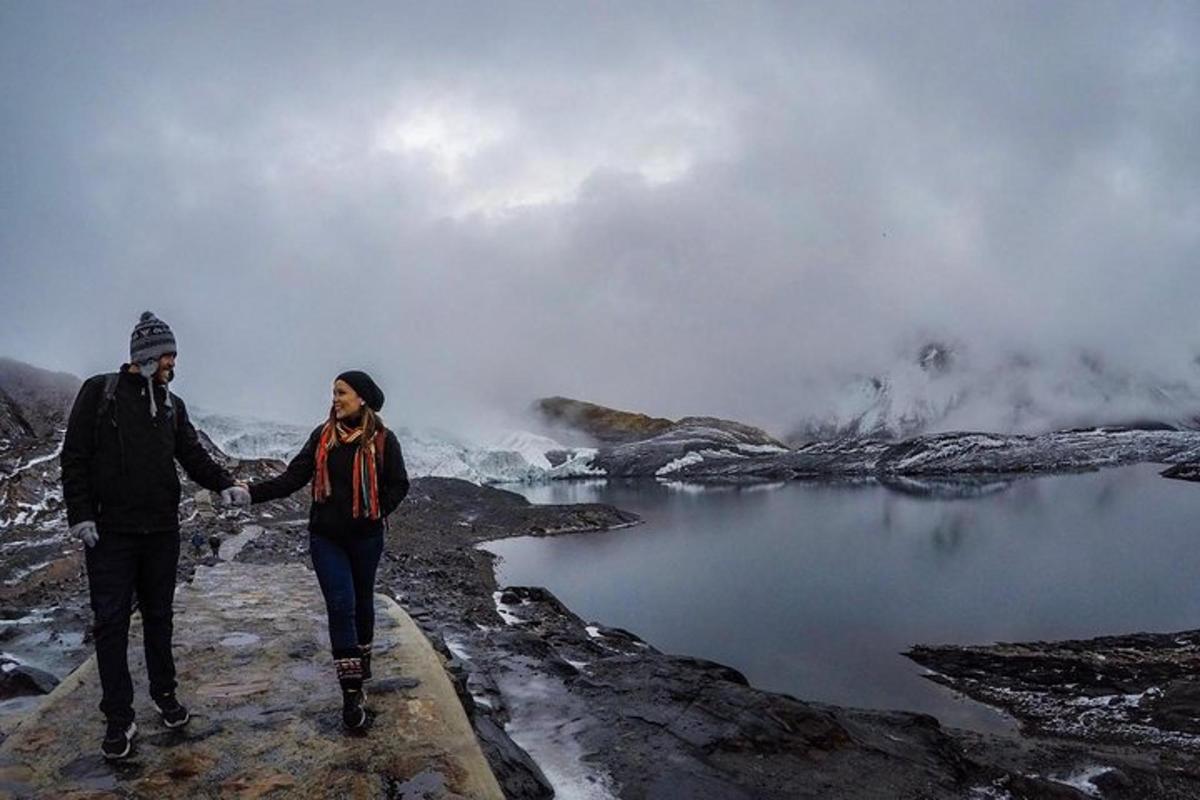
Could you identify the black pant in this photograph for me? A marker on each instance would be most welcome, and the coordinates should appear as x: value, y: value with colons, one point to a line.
x: 346, y: 568
x: 119, y: 565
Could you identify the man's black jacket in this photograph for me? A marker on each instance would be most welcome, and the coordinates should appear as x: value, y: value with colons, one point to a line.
x: 335, y: 517
x: 118, y: 462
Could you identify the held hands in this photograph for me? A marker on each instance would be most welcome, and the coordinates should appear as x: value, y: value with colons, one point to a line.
x: 237, y: 495
x: 86, y: 532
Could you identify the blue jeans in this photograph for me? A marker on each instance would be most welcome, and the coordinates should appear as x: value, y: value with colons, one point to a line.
x: 345, y: 569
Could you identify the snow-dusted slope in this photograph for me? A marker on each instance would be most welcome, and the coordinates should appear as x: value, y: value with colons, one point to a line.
x: 508, y: 457
x: 956, y: 454
x: 247, y: 437
x: 514, y: 457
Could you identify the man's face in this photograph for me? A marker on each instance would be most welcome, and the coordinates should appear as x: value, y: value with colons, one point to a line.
x: 166, y: 368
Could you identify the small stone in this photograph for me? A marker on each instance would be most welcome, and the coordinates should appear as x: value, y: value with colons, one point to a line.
x: 384, y: 685
x: 1114, y: 780
x: 23, y: 679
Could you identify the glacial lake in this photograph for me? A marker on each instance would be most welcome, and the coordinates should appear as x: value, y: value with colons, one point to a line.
x: 814, y: 589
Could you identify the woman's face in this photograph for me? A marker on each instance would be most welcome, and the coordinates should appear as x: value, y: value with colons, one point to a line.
x: 346, y: 402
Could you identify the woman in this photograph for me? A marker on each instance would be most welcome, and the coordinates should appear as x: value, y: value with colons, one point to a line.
x: 358, y: 478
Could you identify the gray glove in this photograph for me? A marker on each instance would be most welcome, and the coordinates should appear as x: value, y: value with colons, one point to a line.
x: 235, y: 496
x: 86, y: 532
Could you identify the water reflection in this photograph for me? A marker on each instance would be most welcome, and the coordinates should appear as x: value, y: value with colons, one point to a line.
x: 814, y: 589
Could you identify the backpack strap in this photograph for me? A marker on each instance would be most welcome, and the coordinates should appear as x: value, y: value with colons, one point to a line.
x: 108, y: 402
x: 174, y: 407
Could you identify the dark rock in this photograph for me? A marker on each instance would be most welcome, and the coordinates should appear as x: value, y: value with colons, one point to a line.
x: 17, y: 680
x: 1113, y: 783
x: 1121, y: 689
x: 40, y: 398
x: 716, y: 441
x: 557, y: 457
x: 1189, y: 471
x: 598, y: 422
x: 1176, y: 707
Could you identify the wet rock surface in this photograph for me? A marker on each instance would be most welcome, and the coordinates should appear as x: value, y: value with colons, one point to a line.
x: 252, y: 652
x: 1135, y: 689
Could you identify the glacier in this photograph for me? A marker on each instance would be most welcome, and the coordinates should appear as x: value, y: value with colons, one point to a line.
x: 509, y: 456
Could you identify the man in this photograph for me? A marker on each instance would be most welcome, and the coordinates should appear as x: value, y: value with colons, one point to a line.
x: 122, y: 495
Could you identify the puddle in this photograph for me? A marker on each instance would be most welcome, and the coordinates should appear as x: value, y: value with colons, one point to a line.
x: 94, y: 773
x: 240, y: 639
x: 309, y: 673
x: 422, y: 786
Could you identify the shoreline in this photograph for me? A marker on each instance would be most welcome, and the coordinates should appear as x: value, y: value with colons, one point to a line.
x: 558, y: 702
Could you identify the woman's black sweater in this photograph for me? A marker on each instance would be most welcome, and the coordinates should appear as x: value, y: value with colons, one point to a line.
x: 335, y: 516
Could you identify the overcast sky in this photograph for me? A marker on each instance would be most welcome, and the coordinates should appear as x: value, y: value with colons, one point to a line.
x: 675, y: 208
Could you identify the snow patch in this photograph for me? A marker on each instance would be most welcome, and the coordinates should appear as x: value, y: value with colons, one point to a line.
x: 502, y: 609
x: 679, y: 463
x: 761, y: 448
x: 39, y: 460
x: 1083, y: 780
x: 20, y: 575
x: 454, y: 645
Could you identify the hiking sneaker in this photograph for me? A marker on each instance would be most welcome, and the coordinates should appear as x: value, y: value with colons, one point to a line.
x: 173, y: 713
x: 118, y: 740
x: 353, y: 714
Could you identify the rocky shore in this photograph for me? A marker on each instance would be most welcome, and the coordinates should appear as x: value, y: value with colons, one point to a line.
x: 561, y: 704
x: 568, y: 707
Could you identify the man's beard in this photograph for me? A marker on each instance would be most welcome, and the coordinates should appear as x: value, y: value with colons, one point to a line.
x: 166, y: 376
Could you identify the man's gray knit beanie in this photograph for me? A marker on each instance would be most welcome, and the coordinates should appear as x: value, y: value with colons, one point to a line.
x: 151, y: 339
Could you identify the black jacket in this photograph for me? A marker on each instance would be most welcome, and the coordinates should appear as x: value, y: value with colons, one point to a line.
x: 118, y: 463
x: 335, y: 516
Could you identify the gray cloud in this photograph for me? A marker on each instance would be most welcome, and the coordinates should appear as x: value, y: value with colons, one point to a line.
x: 679, y: 208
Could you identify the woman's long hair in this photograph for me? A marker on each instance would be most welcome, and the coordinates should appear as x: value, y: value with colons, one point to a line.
x: 369, y: 421
x: 368, y: 460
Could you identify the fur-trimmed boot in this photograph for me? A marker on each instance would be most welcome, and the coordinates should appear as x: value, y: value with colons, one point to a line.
x: 348, y: 664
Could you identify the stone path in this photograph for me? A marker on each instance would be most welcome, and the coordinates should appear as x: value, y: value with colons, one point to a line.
x: 254, y: 667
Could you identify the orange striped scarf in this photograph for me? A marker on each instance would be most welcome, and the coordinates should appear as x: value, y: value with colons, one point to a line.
x: 368, y: 458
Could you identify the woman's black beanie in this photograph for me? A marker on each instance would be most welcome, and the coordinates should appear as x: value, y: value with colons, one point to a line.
x: 367, y: 389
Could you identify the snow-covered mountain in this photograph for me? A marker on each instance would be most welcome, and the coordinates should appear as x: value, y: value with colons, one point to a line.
x: 940, y: 387
x: 248, y: 437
